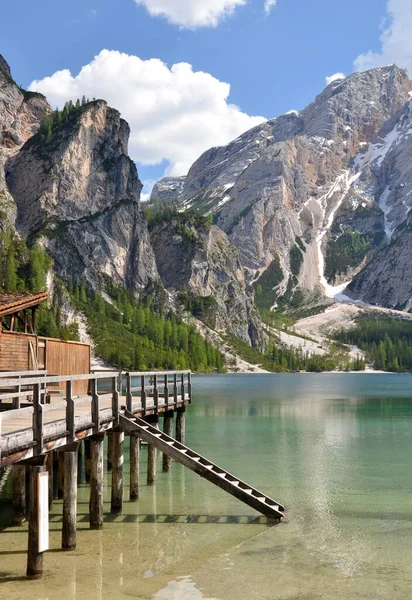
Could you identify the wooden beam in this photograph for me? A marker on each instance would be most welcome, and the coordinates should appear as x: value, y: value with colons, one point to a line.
x: 19, y: 494
x: 87, y: 459
x: 134, y: 466
x: 96, y: 482
x: 168, y: 430
x: 34, y: 557
x: 69, y: 501
x: 181, y: 425
x: 50, y: 470
x: 117, y: 471
x: 152, y: 456
x: 60, y: 475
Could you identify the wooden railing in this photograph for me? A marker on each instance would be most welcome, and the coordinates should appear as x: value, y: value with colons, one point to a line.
x: 60, y: 419
x: 21, y: 390
x: 170, y: 386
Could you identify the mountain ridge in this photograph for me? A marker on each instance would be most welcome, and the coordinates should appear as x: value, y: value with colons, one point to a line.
x: 300, y: 181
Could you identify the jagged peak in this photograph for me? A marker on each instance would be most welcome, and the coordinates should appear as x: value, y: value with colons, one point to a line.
x: 4, y: 66
x: 168, y: 189
x: 385, y: 76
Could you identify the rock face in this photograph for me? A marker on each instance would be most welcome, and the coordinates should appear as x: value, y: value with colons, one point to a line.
x: 168, y: 190
x: 69, y: 183
x: 387, y: 179
x: 198, y: 260
x: 79, y: 192
x: 306, y: 184
x: 20, y: 116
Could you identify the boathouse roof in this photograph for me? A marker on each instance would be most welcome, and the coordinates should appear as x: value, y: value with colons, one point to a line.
x: 14, y: 302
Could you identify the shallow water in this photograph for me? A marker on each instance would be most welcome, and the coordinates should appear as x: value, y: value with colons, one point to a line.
x: 335, y: 449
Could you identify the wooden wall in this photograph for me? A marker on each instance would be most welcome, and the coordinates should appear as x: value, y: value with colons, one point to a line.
x: 67, y: 358
x: 57, y: 356
x: 15, y: 354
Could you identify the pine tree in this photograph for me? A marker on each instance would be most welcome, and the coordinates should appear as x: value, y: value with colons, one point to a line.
x: 10, y: 273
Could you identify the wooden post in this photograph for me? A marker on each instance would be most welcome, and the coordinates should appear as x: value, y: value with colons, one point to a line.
x: 87, y: 459
x: 37, y: 419
x: 70, y: 411
x: 134, y: 466
x: 34, y: 557
x: 96, y: 482
x: 189, y: 386
x: 115, y: 401
x: 95, y: 406
x: 129, y: 396
x: 168, y: 430
x: 143, y: 394
x: 182, y: 388
x: 175, y: 390
x: 19, y: 494
x: 60, y: 476
x: 152, y: 457
x: 166, y: 383
x: 117, y: 472
x: 49, y: 467
x: 155, y: 394
x: 109, y: 451
x: 69, y: 501
x: 181, y: 425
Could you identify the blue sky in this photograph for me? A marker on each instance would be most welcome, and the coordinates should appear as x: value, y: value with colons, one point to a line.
x: 273, y: 63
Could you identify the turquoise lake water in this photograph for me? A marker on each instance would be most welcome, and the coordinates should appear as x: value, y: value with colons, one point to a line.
x: 335, y: 449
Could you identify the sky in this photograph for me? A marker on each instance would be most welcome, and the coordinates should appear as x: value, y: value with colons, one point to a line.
x: 191, y: 74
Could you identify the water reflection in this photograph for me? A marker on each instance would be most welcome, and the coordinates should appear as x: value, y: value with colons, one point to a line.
x: 335, y: 449
x: 182, y: 589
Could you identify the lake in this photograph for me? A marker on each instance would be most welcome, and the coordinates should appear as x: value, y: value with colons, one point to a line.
x: 335, y: 449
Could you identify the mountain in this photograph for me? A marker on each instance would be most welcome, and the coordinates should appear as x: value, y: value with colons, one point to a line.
x: 78, y: 191
x: 20, y: 116
x: 196, y: 259
x: 315, y: 198
x: 168, y: 190
x: 297, y: 211
x: 68, y: 185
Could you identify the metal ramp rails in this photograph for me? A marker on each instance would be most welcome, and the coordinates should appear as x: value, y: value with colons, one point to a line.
x: 203, y: 467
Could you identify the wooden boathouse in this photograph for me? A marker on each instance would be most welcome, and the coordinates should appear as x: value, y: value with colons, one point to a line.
x: 21, y: 349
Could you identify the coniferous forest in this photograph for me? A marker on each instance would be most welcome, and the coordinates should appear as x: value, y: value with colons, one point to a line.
x: 138, y: 335
x: 387, y: 342
x: 143, y: 334
x: 131, y: 334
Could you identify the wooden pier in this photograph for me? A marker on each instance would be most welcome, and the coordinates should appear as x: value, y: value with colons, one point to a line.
x: 40, y: 416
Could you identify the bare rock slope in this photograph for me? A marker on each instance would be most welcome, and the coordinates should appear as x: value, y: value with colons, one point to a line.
x: 20, y: 116
x: 312, y: 196
x: 79, y: 192
x: 197, y: 260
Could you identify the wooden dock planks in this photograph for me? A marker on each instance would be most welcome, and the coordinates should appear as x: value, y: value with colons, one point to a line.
x: 38, y: 428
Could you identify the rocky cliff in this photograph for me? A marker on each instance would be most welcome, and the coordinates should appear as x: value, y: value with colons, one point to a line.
x: 168, y: 190
x: 66, y: 181
x: 79, y: 192
x: 20, y: 116
x: 307, y: 197
x: 196, y: 259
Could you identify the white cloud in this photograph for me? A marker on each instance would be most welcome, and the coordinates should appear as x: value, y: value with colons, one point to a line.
x: 269, y: 5
x: 192, y: 13
x: 396, y: 39
x: 175, y: 114
x: 335, y: 77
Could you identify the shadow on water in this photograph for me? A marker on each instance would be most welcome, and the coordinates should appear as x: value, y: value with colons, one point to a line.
x: 190, y: 519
